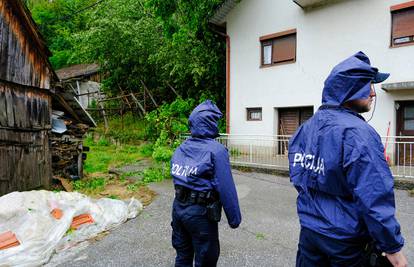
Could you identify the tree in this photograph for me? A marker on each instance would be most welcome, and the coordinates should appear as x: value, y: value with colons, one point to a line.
x: 161, y: 43
x: 58, y: 20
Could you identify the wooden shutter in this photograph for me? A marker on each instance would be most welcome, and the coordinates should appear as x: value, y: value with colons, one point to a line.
x: 284, y: 48
x: 305, y: 115
x: 288, y: 121
x: 291, y: 118
x: 403, y: 23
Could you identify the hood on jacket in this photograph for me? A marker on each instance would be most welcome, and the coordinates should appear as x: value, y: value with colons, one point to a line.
x: 204, y: 120
x: 350, y: 80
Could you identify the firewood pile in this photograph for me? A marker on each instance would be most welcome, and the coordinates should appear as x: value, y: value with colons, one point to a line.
x: 67, y: 148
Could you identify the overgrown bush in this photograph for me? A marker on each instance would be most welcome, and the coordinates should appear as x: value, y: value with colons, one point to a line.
x: 165, y: 126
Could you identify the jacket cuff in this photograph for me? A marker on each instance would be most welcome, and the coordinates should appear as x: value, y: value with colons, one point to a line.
x: 394, y: 249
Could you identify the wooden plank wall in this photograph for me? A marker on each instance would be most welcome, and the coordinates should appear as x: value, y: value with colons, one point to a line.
x: 25, y: 165
x: 25, y: 158
x: 20, y: 60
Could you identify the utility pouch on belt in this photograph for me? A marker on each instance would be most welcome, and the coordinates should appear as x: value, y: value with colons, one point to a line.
x: 374, y: 258
x: 214, y: 211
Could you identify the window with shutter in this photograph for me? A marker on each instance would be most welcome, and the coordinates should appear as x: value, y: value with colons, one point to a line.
x: 278, y: 48
x: 402, y: 24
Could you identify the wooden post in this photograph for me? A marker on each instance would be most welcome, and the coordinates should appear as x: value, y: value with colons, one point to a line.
x: 103, y: 111
x: 125, y: 97
x: 172, y: 89
x: 122, y: 115
x: 138, y: 104
x: 149, y: 93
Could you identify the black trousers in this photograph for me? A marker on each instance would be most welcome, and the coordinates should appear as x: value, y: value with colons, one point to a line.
x: 318, y: 250
x: 194, y: 237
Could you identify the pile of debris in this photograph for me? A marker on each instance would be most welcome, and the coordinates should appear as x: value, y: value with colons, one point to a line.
x: 67, y: 147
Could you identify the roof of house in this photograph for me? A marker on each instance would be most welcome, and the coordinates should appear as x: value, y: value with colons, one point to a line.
x: 75, y: 71
x: 219, y: 18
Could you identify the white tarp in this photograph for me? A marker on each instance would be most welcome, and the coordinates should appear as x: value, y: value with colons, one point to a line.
x: 27, y: 214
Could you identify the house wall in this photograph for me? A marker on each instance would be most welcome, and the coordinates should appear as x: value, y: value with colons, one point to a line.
x: 325, y: 36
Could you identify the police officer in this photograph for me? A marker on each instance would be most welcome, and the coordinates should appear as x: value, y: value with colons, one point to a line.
x: 203, y: 185
x: 337, y: 164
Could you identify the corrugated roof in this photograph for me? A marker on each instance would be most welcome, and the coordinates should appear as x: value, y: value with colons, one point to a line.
x: 219, y: 17
x: 77, y: 71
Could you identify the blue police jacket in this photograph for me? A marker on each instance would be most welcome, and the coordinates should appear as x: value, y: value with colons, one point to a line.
x: 337, y: 164
x: 202, y: 164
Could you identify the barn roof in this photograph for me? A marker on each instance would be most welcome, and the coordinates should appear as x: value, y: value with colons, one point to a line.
x: 75, y: 71
x: 23, y: 14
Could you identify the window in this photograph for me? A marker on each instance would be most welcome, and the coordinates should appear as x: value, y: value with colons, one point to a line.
x: 254, y: 114
x: 402, y: 24
x: 278, y: 48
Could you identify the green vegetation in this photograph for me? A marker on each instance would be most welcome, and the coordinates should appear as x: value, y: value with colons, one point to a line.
x: 260, y: 236
x: 58, y: 22
x: 162, y: 43
x: 104, y: 155
x: 127, y: 130
x: 168, y: 45
x: 156, y: 174
x: 94, y: 185
x: 235, y: 152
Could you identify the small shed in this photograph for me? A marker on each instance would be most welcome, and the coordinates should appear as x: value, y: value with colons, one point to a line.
x: 84, y: 80
x: 25, y: 101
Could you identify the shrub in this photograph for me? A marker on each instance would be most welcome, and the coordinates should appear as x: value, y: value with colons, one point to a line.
x: 166, y: 124
x: 155, y: 174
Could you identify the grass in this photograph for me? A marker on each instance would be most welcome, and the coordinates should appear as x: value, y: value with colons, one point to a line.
x: 411, y: 192
x: 122, y: 145
x: 94, y: 185
x: 131, y: 130
x: 104, y: 155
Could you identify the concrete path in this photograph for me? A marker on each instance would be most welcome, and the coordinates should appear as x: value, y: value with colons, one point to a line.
x: 267, y: 237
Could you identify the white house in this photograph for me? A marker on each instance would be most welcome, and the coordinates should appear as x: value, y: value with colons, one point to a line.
x: 280, y: 52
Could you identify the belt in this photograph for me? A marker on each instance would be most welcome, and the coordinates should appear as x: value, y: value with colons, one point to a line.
x: 186, y: 195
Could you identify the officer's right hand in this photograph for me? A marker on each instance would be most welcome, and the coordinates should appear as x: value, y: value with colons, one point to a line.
x: 397, y: 259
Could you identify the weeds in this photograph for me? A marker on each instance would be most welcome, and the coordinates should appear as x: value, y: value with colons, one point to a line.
x: 125, y: 175
x: 260, y: 236
x: 156, y: 174
x: 134, y: 187
x: 90, y: 185
x: 103, y: 155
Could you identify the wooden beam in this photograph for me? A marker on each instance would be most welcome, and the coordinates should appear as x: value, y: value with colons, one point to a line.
x: 149, y: 93
x: 138, y: 104
x: 172, y: 89
x: 63, y: 102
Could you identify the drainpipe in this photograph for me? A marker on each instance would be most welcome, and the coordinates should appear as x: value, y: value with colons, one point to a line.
x: 222, y: 32
x: 227, y: 84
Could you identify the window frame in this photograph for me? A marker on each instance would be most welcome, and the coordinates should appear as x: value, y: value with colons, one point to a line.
x: 251, y: 110
x: 394, y: 9
x: 270, y: 38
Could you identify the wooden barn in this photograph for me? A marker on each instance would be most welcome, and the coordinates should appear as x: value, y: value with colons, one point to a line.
x: 25, y: 101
